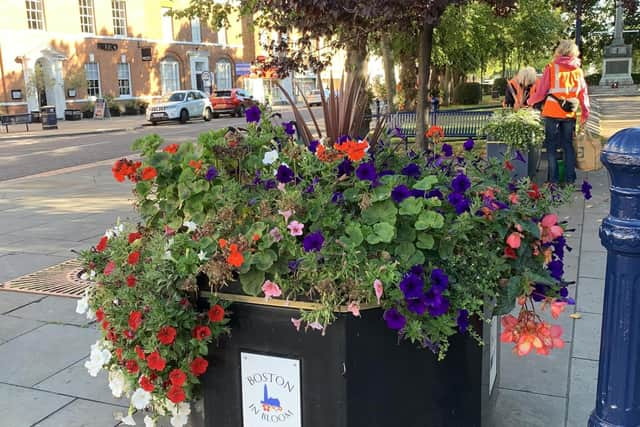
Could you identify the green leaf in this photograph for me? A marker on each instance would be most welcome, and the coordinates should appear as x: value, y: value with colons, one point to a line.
x: 540, y: 278
x: 416, y: 258
x: 426, y: 183
x: 445, y: 250
x: 351, y: 195
x: 264, y: 260
x: 507, y: 298
x: 380, y: 212
x: 411, y: 206
x: 252, y: 282
x: 385, y: 231
x: 405, y: 251
x: 354, y: 235
x: 532, y: 228
x: 429, y: 219
x: 425, y: 241
x: 405, y: 233
x: 143, y: 188
x: 381, y: 193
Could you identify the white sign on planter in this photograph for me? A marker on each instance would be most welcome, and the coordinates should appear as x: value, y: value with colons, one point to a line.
x: 270, y: 391
x: 493, y: 352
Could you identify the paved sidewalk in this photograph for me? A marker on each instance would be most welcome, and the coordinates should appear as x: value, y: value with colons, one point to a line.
x: 43, y: 343
x: 74, y: 128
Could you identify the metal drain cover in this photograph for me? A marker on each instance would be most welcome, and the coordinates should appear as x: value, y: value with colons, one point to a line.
x: 61, y: 280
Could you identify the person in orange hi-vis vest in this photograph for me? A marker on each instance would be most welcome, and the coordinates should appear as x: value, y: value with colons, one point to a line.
x: 563, y: 89
x: 518, y: 88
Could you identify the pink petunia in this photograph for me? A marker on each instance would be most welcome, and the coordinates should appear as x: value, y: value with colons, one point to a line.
x: 286, y: 214
x: 377, y: 287
x: 295, y: 228
x: 514, y: 240
x: 275, y: 233
x: 354, y: 308
x: 296, y: 323
x: 271, y: 289
x: 315, y: 325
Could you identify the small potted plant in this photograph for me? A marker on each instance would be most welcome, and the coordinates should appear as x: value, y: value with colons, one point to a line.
x: 515, y: 138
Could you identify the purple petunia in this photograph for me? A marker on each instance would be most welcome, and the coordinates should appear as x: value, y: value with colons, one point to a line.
x: 586, y: 190
x: 343, y: 138
x: 400, y: 192
x: 294, y: 264
x: 412, y: 170
x: 252, y: 114
x: 539, y: 292
x: 313, y: 145
x: 284, y: 174
x: 313, y: 241
x: 386, y: 172
x: 463, y: 320
x: 556, y: 269
x: 312, y: 187
x: 412, y: 286
x: 211, y: 173
x: 366, y: 172
x: 418, y: 193
x: 417, y: 269
x: 337, y: 197
x: 520, y: 157
x: 417, y: 305
x: 435, y: 193
x: 439, y: 280
x: 459, y: 202
x: 439, y: 309
x: 468, y: 144
x: 395, y: 320
x: 460, y: 183
x: 447, y: 150
x: 289, y: 128
x: 345, y: 168
x: 270, y: 184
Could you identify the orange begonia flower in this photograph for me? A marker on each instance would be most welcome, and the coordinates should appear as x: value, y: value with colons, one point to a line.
x: 196, y: 165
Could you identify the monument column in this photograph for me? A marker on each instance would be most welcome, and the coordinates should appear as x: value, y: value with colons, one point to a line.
x: 617, y: 56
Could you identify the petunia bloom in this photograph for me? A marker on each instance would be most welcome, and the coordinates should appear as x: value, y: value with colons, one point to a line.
x: 289, y: 128
x: 212, y: 173
x: 313, y: 241
x: 400, y: 193
x: 460, y: 183
x: 271, y: 289
x: 586, y: 190
x: 295, y: 228
x: 468, y: 144
x: 378, y: 289
x: 252, y: 114
x: 366, y: 172
x: 284, y: 174
x: 395, y: 320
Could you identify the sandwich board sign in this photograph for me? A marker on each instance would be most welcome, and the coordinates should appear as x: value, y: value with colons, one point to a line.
x: 100, y: 109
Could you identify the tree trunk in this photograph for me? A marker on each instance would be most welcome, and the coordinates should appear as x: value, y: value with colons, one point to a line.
x: 408, y: 80
x: 504, y: 63
x: 424, y: 64
x: 389, y: 72
x: 356, y: 58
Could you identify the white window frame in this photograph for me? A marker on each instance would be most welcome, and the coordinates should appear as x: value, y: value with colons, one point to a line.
x: 222, y: 36
x: 166, y: 22
x: 224, y: 78
x: 119, y: 17
x: 87, y: 70
x: 196, y: 32
x: 169, y: 83
x: 124, y: 66
x: 35, y: 14
x: 87, y: 16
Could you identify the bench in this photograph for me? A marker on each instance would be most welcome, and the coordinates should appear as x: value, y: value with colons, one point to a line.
x: 15, y: 119
x: 462, y: 123
x: 72, y: 114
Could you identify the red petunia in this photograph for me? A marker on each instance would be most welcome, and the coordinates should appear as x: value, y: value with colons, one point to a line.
x: 170, y: 148
x: 201, y: 332
x: 131, y: 280
x: 119, y: 354
x: 102, y: 245
x: 176, y: 394
x: 105, y: 325
x: 146, y: 384
x: 100, y: 314
x: 108, y: 269
x: 510, y: 253
x: 149, y: 173
x: 166, y: 335
x: 140, y: 352
x: 508, y: 165
x: 216, y: 313
x: 156, y: 362
x: 132, y: 366
x: 134, y: 236
x: 134, y: 257
x: 128, y: 334
x: 199, y: 366
x: 534, y: 193
x: 112, y: 336
x: 135, y: 320
x: 177, y: 377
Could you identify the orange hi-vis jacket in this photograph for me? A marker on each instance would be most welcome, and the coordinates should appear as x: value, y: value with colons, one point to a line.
x: 564, y: 83
x: 518, y: 96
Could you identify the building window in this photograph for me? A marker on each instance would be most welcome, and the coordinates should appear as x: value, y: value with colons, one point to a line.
x: 224, y: 79
x: 169, y: 75
x: 195, y: 31
x: 92, y: 72
x: 167, y: 24
x: 124, y: 79
x: 86, y: 16
x: 222, y: 35
x: 35, y: 14
x: 119, y: 12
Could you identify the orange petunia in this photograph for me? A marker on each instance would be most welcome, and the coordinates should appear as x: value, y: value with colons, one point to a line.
x: 196, y: 165
x: 149, y: 173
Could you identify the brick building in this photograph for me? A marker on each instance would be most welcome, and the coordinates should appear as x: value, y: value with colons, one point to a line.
x: 66, y: 53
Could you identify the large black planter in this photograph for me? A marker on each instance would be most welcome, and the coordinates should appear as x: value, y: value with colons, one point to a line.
x: 500, y: 151
x: 358, y: 375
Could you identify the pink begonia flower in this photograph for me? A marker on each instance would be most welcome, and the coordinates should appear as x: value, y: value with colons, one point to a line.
x: 513, y: 198
x: 377, y: 287
x: 295, y: 228
x: 296, y: 323
x: 557, y: 307
x: 271, y: 289
x: 168, y: 231
x: 281, y: 186
x: 514, y: 240
x: 275, y: 233
x: 354, y: 308
x: 286, y: 214
x: 550, y: 228
x: 556, y: 336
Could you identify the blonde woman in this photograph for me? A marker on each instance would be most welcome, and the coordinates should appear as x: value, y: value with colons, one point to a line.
x: 563, y: 89
x: 518, y: 88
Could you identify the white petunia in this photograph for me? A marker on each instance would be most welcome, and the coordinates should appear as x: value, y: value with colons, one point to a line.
x: 128, y: 420
x: 270, y: 157
x: 117, y: 383
x: 83, y: 304
x: 180, y: 413
x: 149, y: 422
x: 84, y: 276
x: 168, y: 256
x: 109, y: 233
x: 98, y: 357
x: 191, y: 226
x: 140, y: 398
x: 91, y: 315
x: 202, y: 255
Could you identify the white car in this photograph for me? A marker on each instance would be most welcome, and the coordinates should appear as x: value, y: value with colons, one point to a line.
x: 314, y: 97
x: 181, y: 105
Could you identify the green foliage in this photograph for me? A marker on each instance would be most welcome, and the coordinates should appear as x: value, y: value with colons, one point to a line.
x: 519, y: 130
x: 593, y: 79
x: 500, y: 85
x: 467, y: 93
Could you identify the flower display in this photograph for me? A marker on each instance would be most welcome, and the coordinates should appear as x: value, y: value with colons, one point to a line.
x: 428, y: 237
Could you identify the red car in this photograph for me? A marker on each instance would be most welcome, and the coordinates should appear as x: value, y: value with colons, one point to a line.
x: 230, y: 101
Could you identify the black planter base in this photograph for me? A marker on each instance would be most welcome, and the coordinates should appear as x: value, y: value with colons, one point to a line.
x: 357, y: 375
